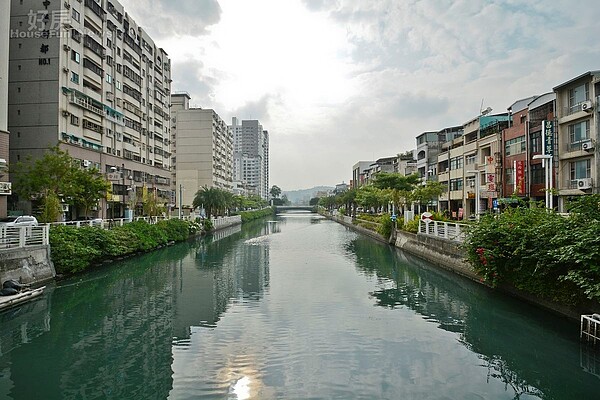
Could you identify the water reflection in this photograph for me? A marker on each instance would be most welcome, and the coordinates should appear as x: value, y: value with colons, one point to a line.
x: 219, y: 270
x: 514, y: 347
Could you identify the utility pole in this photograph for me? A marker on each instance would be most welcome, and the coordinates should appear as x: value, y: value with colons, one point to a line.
x: 180, y: 195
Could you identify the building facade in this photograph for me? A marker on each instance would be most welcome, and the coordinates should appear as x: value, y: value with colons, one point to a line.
x: 577, y: 136
x: 358, y: 173
x: 251, y: 157
x: 469, y: 165
x: 203, y: 149
x: 85, y: 76
x: 5, y: 186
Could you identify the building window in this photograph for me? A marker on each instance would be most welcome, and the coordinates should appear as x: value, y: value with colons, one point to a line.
x: 578, y: 95
x: 75, y: 14
x: 456, y: 162
x: 470, y: 159
x: 76, y: 35
x: 109, y: 78
x: 538, y: 176
x: 581, y: 169
x: 74, y: 120
x: 75, y: 78
x: 536, y: 142
x: 509, y: 178
x: 579, y: 132
x: 75, y: 56
x: 456, y: 184
x: 515, y: 146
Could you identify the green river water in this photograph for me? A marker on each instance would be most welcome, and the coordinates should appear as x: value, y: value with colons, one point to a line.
x: 297, y: 307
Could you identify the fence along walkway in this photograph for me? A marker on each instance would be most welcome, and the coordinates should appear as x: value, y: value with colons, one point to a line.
x: 15, y: 237
x: 443, y: 230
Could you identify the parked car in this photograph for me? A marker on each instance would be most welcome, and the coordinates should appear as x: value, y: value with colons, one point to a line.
x: 90, y: 220
x: 23, y: 220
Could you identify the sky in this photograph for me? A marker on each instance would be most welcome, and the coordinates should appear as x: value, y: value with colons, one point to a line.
x: 341, y: 81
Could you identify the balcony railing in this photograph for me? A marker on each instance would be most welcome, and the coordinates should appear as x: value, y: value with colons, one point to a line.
x: 85, y: 103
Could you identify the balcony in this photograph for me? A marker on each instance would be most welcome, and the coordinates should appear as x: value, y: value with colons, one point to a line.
x: 85, y: 103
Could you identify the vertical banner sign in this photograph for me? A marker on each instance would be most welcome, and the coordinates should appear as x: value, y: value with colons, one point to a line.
x: 548, y: 138
x: 520, y: 177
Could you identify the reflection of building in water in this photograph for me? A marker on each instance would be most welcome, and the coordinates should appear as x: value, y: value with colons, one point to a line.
x: 110, y: 337
x: 217, y: 272
x: 19, y: 326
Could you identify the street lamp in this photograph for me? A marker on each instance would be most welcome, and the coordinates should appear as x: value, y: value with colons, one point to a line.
x: 477, y: 180
x: 547, y: 163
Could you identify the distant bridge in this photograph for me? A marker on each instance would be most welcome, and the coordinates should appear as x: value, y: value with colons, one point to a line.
x: 294, y: 208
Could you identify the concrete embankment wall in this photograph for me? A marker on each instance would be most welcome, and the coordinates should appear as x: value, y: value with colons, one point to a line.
x: 448, y: 255
x: 27, y: 265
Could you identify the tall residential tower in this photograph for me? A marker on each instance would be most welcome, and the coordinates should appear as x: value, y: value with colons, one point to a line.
x: 251, y: 156
x: 85, y: 76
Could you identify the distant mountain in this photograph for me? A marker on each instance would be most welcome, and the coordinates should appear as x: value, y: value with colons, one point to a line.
x: 303, y: 196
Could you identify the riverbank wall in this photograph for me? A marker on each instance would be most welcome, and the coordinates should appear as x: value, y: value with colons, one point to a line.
x: 31, y: 265
x: 447, y: 255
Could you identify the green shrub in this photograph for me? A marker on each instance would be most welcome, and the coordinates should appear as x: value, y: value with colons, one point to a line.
x: 385, y: 225
x: 68, y: 251
x: 411, y: 226
x: 75, y: 249
x: 207, y: 225
x: 541, y: 252
x: 252, y: 215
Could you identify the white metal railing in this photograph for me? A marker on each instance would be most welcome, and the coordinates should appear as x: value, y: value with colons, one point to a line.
x: 110, y: 223
x: 226, y: 221
x: 443, y: 230
x: 15, y: 237
x: 590, y: 328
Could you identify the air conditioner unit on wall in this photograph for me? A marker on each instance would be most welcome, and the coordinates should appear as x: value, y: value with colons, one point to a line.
x: 584, y: 183
x: 66, y: 47
x: 65, y: 113
x: 587, y: 145
x: 86, y: 163
x: 587, y: 106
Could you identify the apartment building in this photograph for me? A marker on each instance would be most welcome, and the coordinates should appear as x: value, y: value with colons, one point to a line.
x: 203, y: 149
x: 577, y: 134
x: 86, y: 76
x: 358, y: 173
x: 5, y: 186
x: 522, y: 145
x: 406, y: 164
x: 515, y: 150
x: 429, y: 145
x: 251, y: 157
x: 469, y: 166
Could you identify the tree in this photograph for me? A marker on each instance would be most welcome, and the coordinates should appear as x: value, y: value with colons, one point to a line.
x: 314, y: 201
x: 213, y: 199
x: 422, y: 195
x: 54, y: 178
x: 275, y: 191
x: 88, y: 187
x: 370, y: 196
x: 399, y: 186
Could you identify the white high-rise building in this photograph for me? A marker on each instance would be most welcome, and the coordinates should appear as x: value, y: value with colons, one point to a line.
x: 85, y: 76
x: 251, y: 156
x: 203, y: 149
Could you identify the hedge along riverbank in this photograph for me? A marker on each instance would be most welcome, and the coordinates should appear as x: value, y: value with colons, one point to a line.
x: 252, y: 215
x: 75, y: 249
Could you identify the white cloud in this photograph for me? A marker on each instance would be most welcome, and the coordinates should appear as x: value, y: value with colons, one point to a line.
x: 336, y: 81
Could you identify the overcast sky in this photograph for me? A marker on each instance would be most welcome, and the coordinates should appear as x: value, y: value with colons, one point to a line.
x: 336, y: 81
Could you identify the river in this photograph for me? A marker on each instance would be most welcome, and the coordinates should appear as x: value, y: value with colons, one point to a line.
x: 297, y: 307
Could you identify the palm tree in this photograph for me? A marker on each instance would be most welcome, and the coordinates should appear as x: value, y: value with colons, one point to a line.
x: 209, y: 198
